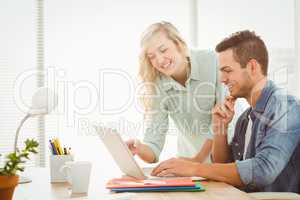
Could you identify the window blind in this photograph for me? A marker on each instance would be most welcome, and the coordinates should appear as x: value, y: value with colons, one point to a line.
x: 21, y: 52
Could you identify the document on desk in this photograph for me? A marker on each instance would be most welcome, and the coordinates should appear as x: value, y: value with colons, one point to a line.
x: 138, y: 185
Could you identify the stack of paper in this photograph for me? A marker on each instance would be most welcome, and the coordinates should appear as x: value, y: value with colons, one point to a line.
x: 137, y: 185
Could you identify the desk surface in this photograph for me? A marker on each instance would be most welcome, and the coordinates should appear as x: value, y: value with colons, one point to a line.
x: 40, y: 188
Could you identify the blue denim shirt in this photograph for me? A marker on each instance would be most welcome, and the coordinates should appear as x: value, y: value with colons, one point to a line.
x: 272, y: 161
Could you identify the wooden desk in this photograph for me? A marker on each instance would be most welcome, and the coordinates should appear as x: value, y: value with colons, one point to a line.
x: 40, y: 188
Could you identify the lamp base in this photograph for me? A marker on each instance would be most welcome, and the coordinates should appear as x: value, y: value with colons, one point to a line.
x: 24, y: 179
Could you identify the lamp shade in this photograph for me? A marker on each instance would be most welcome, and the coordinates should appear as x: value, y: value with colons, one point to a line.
x: 43, y: 102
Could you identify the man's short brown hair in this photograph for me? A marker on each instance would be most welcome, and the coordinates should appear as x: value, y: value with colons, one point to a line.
x: 246, y: 45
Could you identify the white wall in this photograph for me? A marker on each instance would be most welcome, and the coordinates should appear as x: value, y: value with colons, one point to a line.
x: 84, y: 37
x: 273, y: 20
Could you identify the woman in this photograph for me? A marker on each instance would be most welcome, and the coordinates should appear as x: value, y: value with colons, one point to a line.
x: 181, y: 84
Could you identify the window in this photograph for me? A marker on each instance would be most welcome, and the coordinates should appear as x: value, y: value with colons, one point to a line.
x: 17, y: 57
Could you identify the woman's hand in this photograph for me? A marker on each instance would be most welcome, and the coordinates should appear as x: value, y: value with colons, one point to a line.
x: 142, y: 150
x: 134, y: 146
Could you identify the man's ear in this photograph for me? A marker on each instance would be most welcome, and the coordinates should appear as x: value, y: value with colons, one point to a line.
x: 253, y: 67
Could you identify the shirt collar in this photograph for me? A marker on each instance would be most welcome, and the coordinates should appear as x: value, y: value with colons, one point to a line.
x: 264, y: 97
x: 168, y: 83
x: 198, y: 72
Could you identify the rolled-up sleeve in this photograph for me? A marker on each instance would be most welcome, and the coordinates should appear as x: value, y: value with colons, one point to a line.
x: 275, y: 149
x: 245, y: 170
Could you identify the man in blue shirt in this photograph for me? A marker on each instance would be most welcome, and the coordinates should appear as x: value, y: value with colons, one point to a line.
x: 264, y: 154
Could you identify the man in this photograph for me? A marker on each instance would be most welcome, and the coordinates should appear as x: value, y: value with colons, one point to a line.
x: 264, y: 154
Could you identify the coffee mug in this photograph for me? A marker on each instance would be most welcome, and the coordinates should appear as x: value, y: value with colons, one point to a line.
x: 56, y: 162
x: 78, y: 175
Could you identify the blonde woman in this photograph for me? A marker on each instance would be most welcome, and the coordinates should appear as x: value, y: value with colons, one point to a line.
x: 182, y: 85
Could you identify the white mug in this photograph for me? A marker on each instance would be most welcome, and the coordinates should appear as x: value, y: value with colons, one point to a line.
x: 56, y: 162
x: 78, y: 175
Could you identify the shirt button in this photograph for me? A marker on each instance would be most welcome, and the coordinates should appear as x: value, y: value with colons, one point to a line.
x: 239, y: 153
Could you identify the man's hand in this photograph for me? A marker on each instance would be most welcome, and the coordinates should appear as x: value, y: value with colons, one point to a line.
x: 222, y: 115
x: 176, y: 167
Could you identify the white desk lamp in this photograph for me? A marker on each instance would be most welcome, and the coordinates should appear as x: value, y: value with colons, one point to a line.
x: 43, y: 102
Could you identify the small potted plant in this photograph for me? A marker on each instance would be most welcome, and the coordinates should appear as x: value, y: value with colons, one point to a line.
x: 8, y: 174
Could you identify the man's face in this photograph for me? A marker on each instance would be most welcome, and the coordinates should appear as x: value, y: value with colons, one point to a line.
x: 237, y: 79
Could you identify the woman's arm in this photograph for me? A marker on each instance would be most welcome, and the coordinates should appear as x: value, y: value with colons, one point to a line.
x: 203, y: 153
x: 157, y: 125
x: 142, y: 150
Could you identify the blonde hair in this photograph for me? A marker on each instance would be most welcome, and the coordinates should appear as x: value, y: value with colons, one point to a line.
x: 147, y: 72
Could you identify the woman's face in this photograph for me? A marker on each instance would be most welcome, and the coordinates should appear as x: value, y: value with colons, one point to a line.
x: 164, y: 55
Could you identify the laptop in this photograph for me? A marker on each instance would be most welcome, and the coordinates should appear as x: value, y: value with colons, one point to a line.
x: 123, y: 156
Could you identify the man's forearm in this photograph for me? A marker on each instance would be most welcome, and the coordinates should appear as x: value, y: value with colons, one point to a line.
x: 227, y: 173
x: 220, y: 149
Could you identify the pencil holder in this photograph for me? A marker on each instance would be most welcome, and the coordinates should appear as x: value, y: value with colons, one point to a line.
x: 56, y: 162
